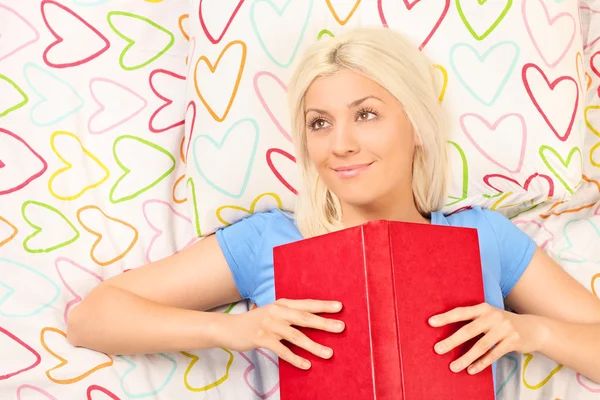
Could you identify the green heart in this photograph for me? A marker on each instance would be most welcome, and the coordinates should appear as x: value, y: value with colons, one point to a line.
x: 38, y: 229
x: 488, y: 30
x: 562, y: 161
x: 20, y: 91
x: 465, y: 174
x: 325, y: 32
x: 127, y: 170
x: 131, y: 42
x: 190, y: 182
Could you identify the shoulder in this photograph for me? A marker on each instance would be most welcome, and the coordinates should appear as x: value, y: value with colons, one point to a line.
x: 480, y: 218
x: 259, y: 225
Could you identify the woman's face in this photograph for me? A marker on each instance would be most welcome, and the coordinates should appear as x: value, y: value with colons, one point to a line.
x: 359, y: 139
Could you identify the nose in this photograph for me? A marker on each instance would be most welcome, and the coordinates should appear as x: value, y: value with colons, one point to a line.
x: 344, y: 141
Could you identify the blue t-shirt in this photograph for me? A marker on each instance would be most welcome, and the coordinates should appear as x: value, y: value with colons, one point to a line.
x: 248, y: 248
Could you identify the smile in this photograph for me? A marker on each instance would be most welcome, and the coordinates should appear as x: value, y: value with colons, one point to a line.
x: 351, y: 171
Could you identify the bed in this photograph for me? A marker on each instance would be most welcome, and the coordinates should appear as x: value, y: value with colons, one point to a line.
x: 129, y: 129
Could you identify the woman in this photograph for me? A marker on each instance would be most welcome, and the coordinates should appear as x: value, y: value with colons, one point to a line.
x: 370, y: 142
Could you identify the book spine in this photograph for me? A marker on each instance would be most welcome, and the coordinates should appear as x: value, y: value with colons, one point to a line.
x: 385, y: 354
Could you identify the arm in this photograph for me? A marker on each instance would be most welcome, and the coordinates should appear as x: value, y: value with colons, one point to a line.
x: 559, y: 318
x: 160, y: 307
x: 156, y: 307
x: 566, y: 314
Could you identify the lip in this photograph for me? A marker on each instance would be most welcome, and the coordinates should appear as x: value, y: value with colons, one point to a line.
x: 351, y: 171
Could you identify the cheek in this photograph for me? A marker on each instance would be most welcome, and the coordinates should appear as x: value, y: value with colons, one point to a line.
x: 317, y: 151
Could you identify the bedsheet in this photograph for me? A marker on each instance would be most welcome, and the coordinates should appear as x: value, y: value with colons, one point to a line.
x: 91, y: 184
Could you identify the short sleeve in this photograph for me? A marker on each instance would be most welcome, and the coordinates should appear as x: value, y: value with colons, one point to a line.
x: 515, y: 247
x: 240, y: 244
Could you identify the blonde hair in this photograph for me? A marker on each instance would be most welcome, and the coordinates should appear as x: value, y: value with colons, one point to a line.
x: 396, y: 64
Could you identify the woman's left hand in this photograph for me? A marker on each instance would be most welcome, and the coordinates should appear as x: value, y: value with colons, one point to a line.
x: 503, y: 332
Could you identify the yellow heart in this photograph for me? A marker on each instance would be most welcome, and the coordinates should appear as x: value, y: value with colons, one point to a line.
x: 252, y: 206
x: 214, y: 384
x: 69, y: 166
x: 445, y: 83
x: 528, y: 358
x: 592, y: 151
x: 587, y: 121
x: 593, y: 284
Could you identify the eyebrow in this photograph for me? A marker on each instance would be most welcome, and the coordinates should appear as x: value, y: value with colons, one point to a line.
x: 353, y: 104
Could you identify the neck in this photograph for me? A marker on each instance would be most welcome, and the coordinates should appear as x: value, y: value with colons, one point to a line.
x: 398, y: 210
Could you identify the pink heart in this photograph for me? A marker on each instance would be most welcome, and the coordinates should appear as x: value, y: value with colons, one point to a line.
x: 493, y: 127
x: 563, y: 79
x: 540, y: 226
x: 191, y: 104
x: 59, y: 39
x: 251, y: 368
x: 589, y: 43
x: 229, y: 21
x: 15, y: 169
x: 76, y: 297
x: 551, y: 21
x: 597, y: 211
x: 276, y: 172
x: 102, y: 106
x: 159, y: 233
x: 525, y: 186
x: 34, y: 388
x: 167, y: 102
x: 264, y: 103
x: 409, y: 6
x: 29, y: 25
x: 37, y: 361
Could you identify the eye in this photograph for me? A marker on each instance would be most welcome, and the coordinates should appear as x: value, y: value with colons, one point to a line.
x: 366, y: 115
x: 317, y: 124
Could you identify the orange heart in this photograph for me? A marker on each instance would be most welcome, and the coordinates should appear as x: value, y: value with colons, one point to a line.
x: 64, y: 362
x: 99, y: 236
x: 181, y: 29
x: 528, y: 358
x: 579, y: 67
x: 174, y: 191
x: 588, y: 78
x: 12, y: 235
x: 594, y: 278
x: 213, y: 69
x: 551, y: 213
x: 336, y: 16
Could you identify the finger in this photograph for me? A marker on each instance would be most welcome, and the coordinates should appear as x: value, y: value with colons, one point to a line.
x: 313, y: 306
x: 284, y: 353
x: 481, y: 347
x: 459, y: 314
x: 490, y: 357
x: 464, y: 334
x: 306, y: 319
x: 299, y: 339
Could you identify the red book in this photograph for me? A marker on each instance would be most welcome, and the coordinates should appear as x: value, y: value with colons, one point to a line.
x: 391, y: 277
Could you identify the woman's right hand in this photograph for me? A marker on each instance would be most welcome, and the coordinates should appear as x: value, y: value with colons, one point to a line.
x: 265, y: 327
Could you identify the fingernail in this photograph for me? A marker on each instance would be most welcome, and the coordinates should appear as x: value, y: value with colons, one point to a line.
x: 336, y: 305
x: 455, y: 366
x: 433, y: 321
x: 472, y: 370
x: 305, y: 365
x: 439, y: 348
x: 327, y: 352
x: 339, y: 326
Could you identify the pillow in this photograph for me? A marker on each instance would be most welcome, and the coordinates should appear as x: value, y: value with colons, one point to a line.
x: 512, y: 74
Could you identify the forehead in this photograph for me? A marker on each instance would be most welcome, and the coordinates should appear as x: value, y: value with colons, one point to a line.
x: 342, y: 88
